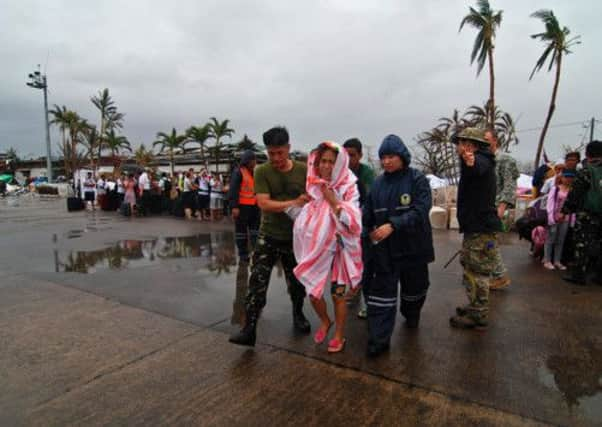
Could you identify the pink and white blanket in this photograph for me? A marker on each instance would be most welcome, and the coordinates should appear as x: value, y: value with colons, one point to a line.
x: 322, y: 242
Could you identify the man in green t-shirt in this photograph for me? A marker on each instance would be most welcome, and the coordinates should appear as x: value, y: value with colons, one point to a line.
x: 279, y: 186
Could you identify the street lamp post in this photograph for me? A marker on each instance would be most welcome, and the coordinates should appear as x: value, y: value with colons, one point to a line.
x: 38, y: 81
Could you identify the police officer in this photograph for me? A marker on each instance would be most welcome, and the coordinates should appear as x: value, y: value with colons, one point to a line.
x: 585, y: 199
x: 398, y: 243
x: 243, y: 203
x: 279, y: 186
x: 479, y: 222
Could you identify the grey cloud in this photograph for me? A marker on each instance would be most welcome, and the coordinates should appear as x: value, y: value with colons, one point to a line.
x: 325, y: 69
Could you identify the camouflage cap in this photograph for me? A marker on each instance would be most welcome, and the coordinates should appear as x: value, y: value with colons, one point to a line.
x: 471, y: 134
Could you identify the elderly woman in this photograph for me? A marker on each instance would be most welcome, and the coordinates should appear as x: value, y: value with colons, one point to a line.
x: 327, y: 238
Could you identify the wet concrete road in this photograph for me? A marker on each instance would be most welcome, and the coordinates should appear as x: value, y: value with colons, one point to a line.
x: 107, y: 320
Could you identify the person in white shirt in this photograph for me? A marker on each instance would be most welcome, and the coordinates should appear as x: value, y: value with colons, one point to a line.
x: 188, y: 195
x: 120, y: 189
x: 216, y: 197
x: 203, y: 195
x: 90, y: 191
x: 549, y: 183
x: 144, y: 183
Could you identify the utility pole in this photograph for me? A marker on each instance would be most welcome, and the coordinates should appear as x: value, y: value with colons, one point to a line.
x: 591, y: 129
x: 38, y: 81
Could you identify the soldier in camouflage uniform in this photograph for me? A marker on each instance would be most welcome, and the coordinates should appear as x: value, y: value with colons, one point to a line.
x: 479, y: 223
x: 585, y: 199
x: 506, y: 172
x: 279, y: 186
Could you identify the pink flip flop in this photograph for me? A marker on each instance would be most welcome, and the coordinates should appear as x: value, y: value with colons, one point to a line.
x: 336, y: 346
x: 321, y: 334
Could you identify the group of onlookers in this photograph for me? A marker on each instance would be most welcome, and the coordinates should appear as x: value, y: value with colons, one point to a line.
x: 146, y: 192
x: 569, y: 192
x: 202, y: 195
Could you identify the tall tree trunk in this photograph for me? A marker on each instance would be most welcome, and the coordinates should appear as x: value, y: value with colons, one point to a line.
x: 491, y: 117
x: 217, y: 156
x: 551, y: 109
x: 171, y: 161
x: 65, y: 159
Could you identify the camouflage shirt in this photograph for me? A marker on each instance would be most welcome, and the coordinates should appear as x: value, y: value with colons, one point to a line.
x: 579, y: 188
x: 506, y: 172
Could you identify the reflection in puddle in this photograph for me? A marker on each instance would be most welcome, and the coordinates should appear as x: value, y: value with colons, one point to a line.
x: 216, y: 251
x: 242, y: 283
x: 578, y: 376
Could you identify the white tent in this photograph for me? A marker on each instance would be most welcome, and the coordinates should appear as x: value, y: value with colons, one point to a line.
x: 524, y: 181
x: 436, y: 182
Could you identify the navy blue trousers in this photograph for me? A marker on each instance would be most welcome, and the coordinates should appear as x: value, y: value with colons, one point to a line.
x: 382, y: 294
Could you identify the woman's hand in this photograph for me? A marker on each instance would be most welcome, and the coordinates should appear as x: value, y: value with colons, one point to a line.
x: 331, y: 198
x: 381, y: 232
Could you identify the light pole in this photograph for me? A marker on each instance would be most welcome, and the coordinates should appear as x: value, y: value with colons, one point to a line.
x: 38, y: 81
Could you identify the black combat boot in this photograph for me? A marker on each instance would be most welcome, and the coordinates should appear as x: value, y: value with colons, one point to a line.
x: 299, y: 321
x: 248, y: 333
x: 575, y: 276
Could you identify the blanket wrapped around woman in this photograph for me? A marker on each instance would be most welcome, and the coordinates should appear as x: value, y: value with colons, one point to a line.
x: 322, y: 242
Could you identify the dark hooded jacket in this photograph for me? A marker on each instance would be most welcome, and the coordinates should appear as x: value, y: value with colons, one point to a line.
x: 403, y: 199
x: 476, y: 195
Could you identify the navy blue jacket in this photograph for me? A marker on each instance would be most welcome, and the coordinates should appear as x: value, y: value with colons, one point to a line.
x: 403, y: 199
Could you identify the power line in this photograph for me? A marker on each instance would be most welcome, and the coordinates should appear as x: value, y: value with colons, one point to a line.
x: 553, y: 126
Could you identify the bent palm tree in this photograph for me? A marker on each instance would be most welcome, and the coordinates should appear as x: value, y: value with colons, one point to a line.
x: 217, y: 131
x: 485, y: 21
x: 558, y: 44
x: 199, y: 135
x: 171, y: 142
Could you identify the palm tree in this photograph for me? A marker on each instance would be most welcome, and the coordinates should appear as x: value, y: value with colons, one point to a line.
x: 58, y: 119
x: 143, y: 156
x: 170, y: 142
x: 199, y: 135
x: 217, y: 131
x: 90, y: 139
x: 485, y: 21
x: 106, y: 106
x: 557, y: 42
x: 115, y: 143
x: 110, y: 119
x: 76, y: 126
x: 247, y: 143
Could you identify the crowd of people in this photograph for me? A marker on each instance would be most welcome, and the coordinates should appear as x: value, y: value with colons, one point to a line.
x: 334, y: 227
x: 565, y: 214
x: 200, y: 196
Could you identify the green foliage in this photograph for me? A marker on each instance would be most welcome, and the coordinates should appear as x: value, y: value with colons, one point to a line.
x: 485, y: 21
x: 556, y: 39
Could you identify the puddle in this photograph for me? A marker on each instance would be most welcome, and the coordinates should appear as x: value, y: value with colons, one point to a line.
x: 578, y: 377
x: 215, y: 251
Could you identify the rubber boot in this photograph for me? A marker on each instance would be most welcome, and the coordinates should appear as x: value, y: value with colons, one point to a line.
x: 299, y: 321
x: 248, y: 333
x: 575, y: 276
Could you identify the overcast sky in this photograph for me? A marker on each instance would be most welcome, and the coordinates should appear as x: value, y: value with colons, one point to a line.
x: 325, y: 69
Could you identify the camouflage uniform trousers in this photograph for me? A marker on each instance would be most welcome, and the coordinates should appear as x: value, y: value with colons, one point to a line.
x: 267, y: 252
x: 587, y: 240
x: 480, y: 256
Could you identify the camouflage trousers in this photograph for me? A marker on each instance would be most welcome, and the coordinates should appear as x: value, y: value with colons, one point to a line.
x: 587, y: 240
x: 267, y: 252
x: 480, y: 257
